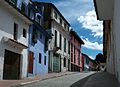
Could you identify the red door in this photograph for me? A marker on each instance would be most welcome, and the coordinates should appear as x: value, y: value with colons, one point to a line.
x: 30, y: 64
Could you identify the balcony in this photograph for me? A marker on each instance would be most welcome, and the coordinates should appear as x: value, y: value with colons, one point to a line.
x: 11, y: 5
x: 36, y: 13
x: 14, y: 43
x: 13, y: 2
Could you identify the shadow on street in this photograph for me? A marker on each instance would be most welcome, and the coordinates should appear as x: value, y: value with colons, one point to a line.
x: 100, y: 79
x: 81, y: 82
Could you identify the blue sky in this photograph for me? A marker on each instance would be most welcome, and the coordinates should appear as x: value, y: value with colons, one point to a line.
x: 82, y: 17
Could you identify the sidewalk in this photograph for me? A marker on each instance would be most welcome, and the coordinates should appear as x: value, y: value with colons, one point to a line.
x: 9, y: 83
x: 101, y: 79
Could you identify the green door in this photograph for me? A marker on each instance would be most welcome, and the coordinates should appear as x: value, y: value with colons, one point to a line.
x: 56, y: 63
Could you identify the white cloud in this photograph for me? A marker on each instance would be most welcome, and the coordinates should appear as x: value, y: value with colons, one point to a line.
x: 91, y: 57
x: 90, y: 22
x: 72, y: 9
x: 92, y: 45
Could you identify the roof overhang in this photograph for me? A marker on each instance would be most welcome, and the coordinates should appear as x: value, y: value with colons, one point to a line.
x: 104, y: 9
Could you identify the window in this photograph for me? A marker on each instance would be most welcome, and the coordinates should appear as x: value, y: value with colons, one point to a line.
x: 61, y: 21
x: 64, y: 44
x: 74, y: 58
x: 46, y: 45
x: 74, y: 55
x: 68, y: 28
x: 68, y: 47
x: 23, y: 7
x: 64, y: 62
x: 55, y: 15
x: 24, y: 33
x: 71, y: 47
x: 15, y: 31
x: 38, y: 19
x: 34, y: 36
x: 14, y: 2
x: 78, y: 57
x: 40, y: 58
x: 29, y: 12
x: 65, y: 25
x: 74, y: 49
x: 45, y: 60
x: 60, y: 41
x: 71, y: 57
x: 40, y: 36
x: 55, y: 38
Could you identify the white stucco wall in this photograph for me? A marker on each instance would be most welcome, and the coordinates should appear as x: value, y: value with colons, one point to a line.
x: 7, y: 20
x: 117, y: 34
x: 61, y: 52
x: 64, y: 33
x: 111, y: 53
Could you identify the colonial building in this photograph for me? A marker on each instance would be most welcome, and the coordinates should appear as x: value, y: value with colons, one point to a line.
x: 14, y: 25
x: 38, y: 43
x: 88, y: 63
x: 85, y: 62
x: 76, y: 57
x: 110, y: 14
x: 59, y: 58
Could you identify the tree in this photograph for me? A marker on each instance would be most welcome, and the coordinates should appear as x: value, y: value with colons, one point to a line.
x: 99, y: 58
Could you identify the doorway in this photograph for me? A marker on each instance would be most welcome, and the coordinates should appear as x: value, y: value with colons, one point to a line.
x: 11, y: 65
x: 56, y: 63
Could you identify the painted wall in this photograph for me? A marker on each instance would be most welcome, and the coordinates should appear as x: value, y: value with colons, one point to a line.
x: 77, y: 46
x: 64, y: 34
x: 116, y: 26
x: 38, y: 47
x: 8, y: 18
x: 113, y: 60
x: 38, y: 69
x: 111, y: 53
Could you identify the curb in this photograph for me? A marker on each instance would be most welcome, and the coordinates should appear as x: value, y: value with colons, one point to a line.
x: 30, y: 82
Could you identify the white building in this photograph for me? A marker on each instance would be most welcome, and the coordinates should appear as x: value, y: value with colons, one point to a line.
x: 14, y: 27
x: 59, y: 58
x: 109, y: 10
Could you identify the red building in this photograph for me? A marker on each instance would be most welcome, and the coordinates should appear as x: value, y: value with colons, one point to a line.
x: 76, y: 56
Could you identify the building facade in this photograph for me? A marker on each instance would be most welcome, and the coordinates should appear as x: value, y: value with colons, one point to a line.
x: 59, y: 58
x: 89, y: 64
x: 76, y: 57
x: 110, y: 14
x: 14, y: 25
x: 38, y: 43
x: 86, y: 62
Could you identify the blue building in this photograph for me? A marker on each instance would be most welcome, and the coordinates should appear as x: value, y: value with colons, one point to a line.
x: 38, y: 43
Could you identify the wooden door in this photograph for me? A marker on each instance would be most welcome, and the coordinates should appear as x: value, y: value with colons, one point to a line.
x: 30, y: 64
x: 11, y: 65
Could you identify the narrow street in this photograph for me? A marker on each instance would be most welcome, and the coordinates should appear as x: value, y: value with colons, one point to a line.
x: 63, y: 81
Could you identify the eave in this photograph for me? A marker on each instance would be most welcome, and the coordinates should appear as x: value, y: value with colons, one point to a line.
x: 76, y: 36
x: 104, y: 9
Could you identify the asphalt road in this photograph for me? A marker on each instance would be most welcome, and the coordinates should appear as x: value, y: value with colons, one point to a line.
x: 73, y: 80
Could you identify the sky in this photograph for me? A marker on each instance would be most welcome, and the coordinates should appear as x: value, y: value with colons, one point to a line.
x: 82, y: 18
